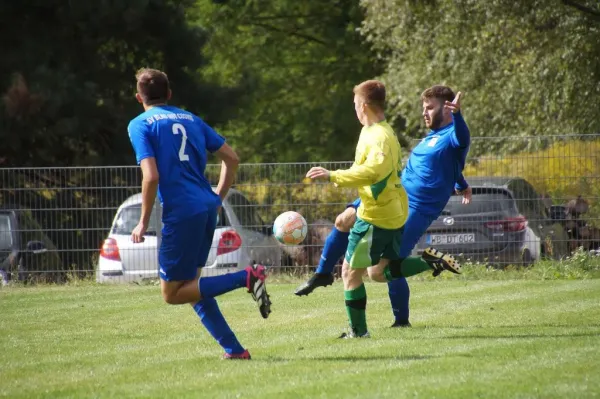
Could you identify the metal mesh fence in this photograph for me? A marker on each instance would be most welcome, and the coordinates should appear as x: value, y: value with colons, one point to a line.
x: 61, y: 223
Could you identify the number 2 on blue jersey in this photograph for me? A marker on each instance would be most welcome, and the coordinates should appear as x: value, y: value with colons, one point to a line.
x: 178, y: 128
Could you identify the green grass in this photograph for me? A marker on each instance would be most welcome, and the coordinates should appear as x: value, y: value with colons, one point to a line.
x: 487, y: 339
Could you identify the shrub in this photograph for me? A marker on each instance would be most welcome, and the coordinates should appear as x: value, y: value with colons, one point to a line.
x: 561, y: 171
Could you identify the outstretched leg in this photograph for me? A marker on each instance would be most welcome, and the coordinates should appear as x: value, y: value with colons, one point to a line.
x: 210, y: 315
x: 432, y: 259
x: 181, y: 254
x: 335, y: 247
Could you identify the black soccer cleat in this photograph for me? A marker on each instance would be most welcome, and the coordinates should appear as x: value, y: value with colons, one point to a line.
x: 401, y: 324
x: 255, y: 283
x: 440, y: 261
x: 317, y: 280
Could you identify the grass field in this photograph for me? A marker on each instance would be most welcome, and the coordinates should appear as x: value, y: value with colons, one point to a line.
x: 470, y: 339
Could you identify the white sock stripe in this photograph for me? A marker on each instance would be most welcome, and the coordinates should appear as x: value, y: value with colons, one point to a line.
x: 258, y: 290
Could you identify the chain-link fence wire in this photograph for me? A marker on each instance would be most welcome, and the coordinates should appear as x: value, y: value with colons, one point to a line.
x: 67, y: 210
x: 58, y: 223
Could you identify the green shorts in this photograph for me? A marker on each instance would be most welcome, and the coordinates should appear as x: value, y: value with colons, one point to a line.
x: 367, y: 244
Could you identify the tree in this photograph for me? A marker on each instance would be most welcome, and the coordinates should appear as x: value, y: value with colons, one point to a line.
x: 66, y: 87
x: 67, y: 75
x: 527, y: 68
x: 293, y: 65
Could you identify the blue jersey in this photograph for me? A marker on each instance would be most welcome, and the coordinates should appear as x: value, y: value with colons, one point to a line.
x: 179, y: 140
x: 435, y: 165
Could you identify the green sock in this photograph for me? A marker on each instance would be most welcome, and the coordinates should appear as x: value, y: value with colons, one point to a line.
x: 414, y: 265
x: 356, y: 303
x: 405, y: 268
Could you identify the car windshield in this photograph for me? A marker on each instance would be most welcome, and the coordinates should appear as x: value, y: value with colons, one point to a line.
x: 5, y: 233
x: 129, y: 217
x: 481, y: 203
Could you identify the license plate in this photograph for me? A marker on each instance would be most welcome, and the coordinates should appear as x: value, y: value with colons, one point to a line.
x: 449, y: 239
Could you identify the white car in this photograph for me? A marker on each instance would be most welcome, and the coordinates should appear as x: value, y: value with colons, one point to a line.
x: 240, y: 238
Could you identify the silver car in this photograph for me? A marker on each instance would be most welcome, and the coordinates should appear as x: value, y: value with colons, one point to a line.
x: 240, y: 238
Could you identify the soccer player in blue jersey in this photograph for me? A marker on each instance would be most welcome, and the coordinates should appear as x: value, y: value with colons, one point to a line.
x: 433, y: 172
x: 171, y: 146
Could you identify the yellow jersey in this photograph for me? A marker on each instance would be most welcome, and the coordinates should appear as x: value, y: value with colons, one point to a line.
x: 376, y: 173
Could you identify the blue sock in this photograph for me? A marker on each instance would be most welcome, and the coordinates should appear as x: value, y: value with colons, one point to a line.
x: 212, y: 318
x: 399, y: 294
x: 211, y: 287
x: 335, y: 247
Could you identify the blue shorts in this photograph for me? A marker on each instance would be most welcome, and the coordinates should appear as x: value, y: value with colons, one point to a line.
x: 185, y: 246
x: 416, y: 225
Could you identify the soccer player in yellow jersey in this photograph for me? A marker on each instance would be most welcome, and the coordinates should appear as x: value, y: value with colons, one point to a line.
x: 376, y: 236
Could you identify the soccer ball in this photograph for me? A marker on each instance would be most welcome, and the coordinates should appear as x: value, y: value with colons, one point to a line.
x: 290, y: 228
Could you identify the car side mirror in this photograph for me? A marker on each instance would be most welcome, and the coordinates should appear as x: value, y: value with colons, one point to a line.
x: 36, y: 247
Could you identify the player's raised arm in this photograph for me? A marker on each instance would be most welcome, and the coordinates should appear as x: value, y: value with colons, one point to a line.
x: 372, y: 170
x: 461, y: 136
x: 229, y: 165
x: 376, y: 167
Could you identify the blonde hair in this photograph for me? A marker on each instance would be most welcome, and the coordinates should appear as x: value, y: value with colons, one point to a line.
x: 372, y: 92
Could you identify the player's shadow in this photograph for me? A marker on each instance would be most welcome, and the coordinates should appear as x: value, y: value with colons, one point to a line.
x: 399, y: 358
x: 523, y: 336
x: 544, y: 325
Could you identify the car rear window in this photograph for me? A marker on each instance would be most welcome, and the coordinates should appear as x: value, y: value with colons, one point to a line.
x: 5, y: 233
x: 129, y: 217
x: 481, y: 203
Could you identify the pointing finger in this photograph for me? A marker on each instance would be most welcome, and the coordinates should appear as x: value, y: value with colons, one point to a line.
x: 457, y: 98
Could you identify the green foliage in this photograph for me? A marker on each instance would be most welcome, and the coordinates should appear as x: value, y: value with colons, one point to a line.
x: 580, y: 265
x: 276, y: 77
x: 275, y: 199
x: 67, y: 75
x: 277, y: 188
x: 526, y: 68
x: 68, y: 209
x: 562, y: 171
x: 294, y: 65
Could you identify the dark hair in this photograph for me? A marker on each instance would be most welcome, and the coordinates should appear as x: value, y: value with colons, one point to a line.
x: 373, y: 92
x: 443, y: 93
x: 153, y: 86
